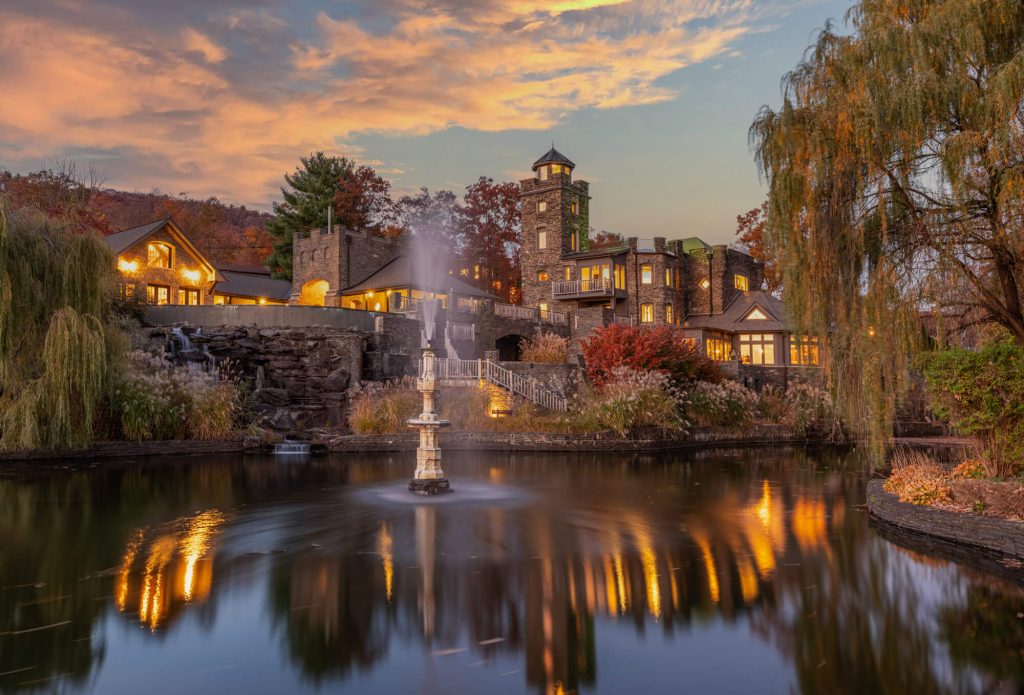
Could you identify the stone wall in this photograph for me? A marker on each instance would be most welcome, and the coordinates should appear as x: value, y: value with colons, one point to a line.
x: 267, y: 316
x: 301, y: 377
x: 989, y: 533
x: 339, y: 256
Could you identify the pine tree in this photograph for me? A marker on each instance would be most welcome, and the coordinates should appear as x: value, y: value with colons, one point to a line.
x: 311, y: 188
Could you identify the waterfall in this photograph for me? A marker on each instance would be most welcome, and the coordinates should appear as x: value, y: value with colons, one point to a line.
x: 183, y: 340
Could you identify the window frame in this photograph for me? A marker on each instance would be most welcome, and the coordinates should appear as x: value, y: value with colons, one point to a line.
x: 153, y: 294
x: 646, y: 274
x: 154, y: 245
x: 647, y: 312
x: 542, y: 239
x: 741, y: 282
x: 757, y: 345
x: 805, y: 350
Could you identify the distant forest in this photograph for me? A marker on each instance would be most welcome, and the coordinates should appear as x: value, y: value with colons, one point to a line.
x: 226, y: 234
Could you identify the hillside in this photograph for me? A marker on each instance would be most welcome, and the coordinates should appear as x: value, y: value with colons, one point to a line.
x: 224, y: 233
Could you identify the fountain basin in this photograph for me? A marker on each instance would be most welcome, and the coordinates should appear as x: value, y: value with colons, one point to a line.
x: 429, y: 486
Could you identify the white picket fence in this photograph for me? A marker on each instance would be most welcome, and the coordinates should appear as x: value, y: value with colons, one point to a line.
x: 486, y: 370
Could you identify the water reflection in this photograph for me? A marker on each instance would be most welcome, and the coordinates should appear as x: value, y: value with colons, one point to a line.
x: 584, y: 589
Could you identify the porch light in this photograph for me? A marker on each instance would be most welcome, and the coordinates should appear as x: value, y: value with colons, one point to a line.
x: 192, y: 275
x: 263, y: 300
x: 127, y: 266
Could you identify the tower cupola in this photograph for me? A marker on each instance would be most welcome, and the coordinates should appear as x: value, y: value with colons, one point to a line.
x: 553, y: 162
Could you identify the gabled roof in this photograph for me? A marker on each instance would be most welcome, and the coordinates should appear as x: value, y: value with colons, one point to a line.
x: 398, y: 273
x: 119, y: 241
x: 553, y: 156
x: 735, y: 317
x: 254, y: 285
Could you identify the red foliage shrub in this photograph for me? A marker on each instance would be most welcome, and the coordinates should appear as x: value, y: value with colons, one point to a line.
x: 662, y: 348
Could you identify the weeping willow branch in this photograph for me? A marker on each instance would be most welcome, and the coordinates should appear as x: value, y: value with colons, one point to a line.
x: 895, y: 168
x: 57, y: 358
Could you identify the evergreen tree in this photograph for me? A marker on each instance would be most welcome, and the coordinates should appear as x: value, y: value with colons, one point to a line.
x: 311, y: 188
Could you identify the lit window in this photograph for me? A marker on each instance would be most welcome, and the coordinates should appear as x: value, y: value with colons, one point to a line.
x: 572, y: 241
x: 542, y: 239
x: 476, y: 272
x: 757, y: 348
x: 543, y: 309
x: 542, y: 206
x: 556, y: 168
x: 543, y: 173
x: 158, y: 294
x: 188, y: 297
x: 668, y: 313
x: 646, y: 274
x: 620, y: 277
x: 573, y: 207
x: 756, y: 315
x: 717, y: 349
x: 158, y: 255
x: 646, y: 313
x: 740, y: 282
x: 705, y: 284
x: 464, y: 272
x: 803, y: 351
x: 542, y: 276
x: 668, y: 277
x: 568, y: 273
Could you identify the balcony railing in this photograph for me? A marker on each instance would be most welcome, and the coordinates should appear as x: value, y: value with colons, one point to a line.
x: 400, y: 304
x: 555, y: 317
x: 463, y: 331
x: 599, y: 286
x: 513, y: 311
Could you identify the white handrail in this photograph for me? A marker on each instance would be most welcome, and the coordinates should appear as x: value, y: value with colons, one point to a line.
x: 596, y: 285
x: 463, y: 370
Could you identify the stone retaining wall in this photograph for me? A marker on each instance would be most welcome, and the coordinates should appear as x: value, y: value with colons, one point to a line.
x: 103, y: 450
x: 548, y: 441
x: 990, y: 533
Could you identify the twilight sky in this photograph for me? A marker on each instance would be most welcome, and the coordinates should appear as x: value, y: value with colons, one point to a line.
x: 652, y: 99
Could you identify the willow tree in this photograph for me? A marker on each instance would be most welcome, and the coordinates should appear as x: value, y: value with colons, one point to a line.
x: 896, y: 178
x: 56, y: 354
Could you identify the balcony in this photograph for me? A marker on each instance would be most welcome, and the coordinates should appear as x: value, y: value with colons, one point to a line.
x: 581, y: 289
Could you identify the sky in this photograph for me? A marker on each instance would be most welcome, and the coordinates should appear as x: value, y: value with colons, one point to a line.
x: 651, y: 99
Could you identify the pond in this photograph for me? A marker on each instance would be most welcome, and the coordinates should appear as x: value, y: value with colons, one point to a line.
x: 728, y: 571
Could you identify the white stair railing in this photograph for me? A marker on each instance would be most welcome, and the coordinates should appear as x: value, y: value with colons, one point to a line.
x: 447, y: 369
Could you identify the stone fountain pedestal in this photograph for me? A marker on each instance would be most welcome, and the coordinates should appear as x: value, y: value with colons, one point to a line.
x: 429, y: 478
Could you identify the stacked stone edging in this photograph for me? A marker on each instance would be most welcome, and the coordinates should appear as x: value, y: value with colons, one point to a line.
x: 990, y: 533
x: 175, y: 447
x: 550, y: 441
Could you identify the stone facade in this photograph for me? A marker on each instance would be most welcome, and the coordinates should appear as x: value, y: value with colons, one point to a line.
x: 338, y: 257
x: 189, y: 279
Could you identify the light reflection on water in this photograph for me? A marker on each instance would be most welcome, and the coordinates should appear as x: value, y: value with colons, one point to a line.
x: 552, y: 573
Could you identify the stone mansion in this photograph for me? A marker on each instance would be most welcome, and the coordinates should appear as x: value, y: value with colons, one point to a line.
x: 571, y: 284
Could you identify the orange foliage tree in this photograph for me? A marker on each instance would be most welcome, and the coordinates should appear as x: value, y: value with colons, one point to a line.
x: 750, y: 230
x: 661, y: 348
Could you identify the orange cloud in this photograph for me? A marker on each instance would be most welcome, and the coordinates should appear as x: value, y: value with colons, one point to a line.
x: 215, y: 112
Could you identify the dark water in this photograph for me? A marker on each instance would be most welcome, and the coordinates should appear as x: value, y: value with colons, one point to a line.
x: 732, y: 572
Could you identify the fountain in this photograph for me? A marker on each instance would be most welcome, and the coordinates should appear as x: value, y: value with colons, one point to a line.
x: 429, y: 478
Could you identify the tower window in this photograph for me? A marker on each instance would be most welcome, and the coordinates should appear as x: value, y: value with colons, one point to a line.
x: 542, y: 206
x: 574, y: 207
x: 556, y: 168
x: 668, y: 277
x: 646, y: 313
x: 668, y: 313
x: 542, y: 239
x: 646, y: 274
x: 740, y: 282
x: 542, y: 276
x: 568, y: 273
x: 542, y: 173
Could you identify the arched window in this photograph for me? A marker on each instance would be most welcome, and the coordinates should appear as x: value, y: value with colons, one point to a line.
x: 159, y: 255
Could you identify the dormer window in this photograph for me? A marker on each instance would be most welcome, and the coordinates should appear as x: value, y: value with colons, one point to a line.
x: 159, y: 255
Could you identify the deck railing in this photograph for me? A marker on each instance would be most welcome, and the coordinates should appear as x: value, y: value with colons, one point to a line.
x: 573, y: 287
x: 400, y: 304
x: 463, y: 331
x: 486, y: 370
x: 514, y: 311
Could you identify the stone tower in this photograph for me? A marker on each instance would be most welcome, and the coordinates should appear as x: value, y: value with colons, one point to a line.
x: 555, y: 223
x: 327, y: 261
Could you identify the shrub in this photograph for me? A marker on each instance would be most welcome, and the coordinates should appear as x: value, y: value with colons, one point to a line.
x: 772, y: 405
x: 156, y: 399
x: 917, y: 478
x: 982, y: 395
x: 663, y: 349
x: 546, y: 348
x: 728, y: 403
x: 808, y: 408
x: 632, y: 399
x: 971, y: 468
x: 384, y: 408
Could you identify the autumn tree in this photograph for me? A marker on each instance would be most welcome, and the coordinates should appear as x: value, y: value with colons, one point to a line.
x: 895, y: 167
x: 605, y: 239
x: 660, y: 348
x: 363, y: 203
x: 750, y: 230
x: 490, y: 235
